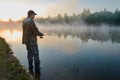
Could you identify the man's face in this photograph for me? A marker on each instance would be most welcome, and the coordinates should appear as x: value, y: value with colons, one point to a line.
x: 32, y: 16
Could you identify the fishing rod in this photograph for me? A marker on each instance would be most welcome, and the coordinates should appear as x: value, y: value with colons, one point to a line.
x: 48, y: 35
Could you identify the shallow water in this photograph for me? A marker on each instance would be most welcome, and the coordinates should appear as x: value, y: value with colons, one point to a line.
x: 79, y: 53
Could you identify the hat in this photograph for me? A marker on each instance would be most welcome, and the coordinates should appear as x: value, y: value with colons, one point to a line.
x: 31, y: 12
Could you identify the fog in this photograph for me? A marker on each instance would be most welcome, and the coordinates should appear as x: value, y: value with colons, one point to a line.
x: 10, y: 26
x: 84, y: 32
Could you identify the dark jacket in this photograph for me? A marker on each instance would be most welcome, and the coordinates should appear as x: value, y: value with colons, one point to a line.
x: 30, y: 32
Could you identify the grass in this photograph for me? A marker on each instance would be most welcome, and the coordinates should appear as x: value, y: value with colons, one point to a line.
x: 10, y: 67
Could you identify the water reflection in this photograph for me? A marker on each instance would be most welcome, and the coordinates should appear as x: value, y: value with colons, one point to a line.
x: 36, y: 75
x: 84, y: 33
x: 100, y: 34
x: 80, y: 53
x: 11, y: 35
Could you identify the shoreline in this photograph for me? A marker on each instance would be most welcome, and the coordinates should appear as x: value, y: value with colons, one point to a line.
x: 10, y: 67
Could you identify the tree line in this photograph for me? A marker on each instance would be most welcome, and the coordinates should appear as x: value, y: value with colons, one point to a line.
x: 96, y: 18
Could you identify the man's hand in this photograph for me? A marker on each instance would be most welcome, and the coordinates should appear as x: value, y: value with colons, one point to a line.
x: 41, y: 35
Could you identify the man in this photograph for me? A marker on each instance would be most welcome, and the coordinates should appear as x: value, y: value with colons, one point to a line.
x: 29, y: 38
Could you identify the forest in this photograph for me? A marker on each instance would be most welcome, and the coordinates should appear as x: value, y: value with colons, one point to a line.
x: 86, y: 17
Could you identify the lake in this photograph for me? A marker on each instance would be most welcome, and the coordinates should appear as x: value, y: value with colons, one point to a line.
x: 72, y: 52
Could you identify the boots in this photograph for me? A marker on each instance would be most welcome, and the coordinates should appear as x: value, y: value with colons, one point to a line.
x: 37, y: 67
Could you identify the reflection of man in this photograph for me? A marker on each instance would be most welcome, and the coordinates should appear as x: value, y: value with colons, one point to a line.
x: 30, y: 33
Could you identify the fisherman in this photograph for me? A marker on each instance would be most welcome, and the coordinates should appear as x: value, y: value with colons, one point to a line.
x: 29, y: 38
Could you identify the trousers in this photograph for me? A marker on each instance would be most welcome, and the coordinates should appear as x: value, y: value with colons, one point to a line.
x: 33, y: 55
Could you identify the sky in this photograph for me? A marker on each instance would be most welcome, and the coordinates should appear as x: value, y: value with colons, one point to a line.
x: 16, y: 9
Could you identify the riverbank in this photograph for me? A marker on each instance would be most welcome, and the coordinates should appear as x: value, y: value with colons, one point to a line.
x: 10, y: 67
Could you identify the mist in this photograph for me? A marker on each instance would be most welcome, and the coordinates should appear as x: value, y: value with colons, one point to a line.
x: 82, y: 31
x: 10, y: 26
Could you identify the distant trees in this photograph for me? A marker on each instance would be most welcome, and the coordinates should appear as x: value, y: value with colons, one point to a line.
x: 116, y: 17
x: 85, y: 14
x: 104, y: 17
x: 96, y: 18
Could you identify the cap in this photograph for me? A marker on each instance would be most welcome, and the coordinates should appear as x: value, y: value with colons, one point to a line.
x: 31, y: 12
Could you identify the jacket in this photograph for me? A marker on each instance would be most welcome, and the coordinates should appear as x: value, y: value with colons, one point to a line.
x: 30, y: 32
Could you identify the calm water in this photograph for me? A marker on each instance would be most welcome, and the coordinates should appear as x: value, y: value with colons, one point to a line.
x: 80, y: 53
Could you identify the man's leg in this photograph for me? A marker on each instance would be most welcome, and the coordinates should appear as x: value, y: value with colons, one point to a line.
x: 36, y: 58
x: 30, y: 56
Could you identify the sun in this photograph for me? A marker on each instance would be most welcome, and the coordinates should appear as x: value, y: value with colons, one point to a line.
x: 12, y: 36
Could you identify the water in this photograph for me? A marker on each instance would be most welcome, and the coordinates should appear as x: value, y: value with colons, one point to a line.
x: 79, y: 53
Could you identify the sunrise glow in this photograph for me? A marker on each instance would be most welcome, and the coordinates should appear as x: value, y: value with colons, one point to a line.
x: 12, y: 36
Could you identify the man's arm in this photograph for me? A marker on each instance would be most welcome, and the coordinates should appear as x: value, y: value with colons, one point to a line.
x: 35, y: 29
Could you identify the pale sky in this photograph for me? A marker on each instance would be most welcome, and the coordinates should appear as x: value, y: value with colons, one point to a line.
x: 16, y: 9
